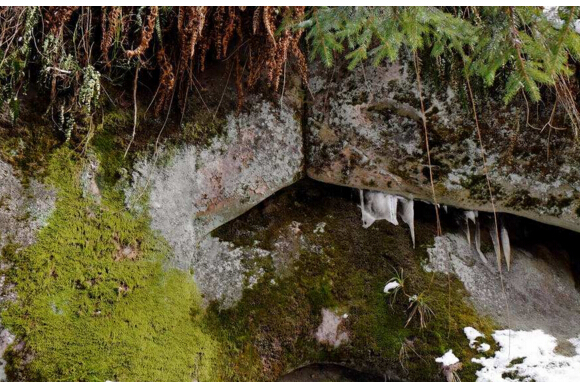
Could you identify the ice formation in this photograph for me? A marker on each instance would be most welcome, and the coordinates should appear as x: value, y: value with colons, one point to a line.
x: 501, y: 245
x: 496, y: 245
x: 505, y: 243
x: 379, y: 206
x: 408, y: 215
x: 474, y: 217
x: 376, y: 205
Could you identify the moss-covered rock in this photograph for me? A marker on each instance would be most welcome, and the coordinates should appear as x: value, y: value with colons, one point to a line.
x: 365, y: 130
x: 94, y: 299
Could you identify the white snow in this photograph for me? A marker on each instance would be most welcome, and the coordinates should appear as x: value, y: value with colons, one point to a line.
x: 483, y: 347
x: 447, y: 359
x: 391, y: 286
x: 539, y: 361
x: 472, y: 335
x: 576, y: 343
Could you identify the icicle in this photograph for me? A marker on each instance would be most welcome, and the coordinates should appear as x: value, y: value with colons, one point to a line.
x: 469, y: 215
x: 367, y: 218
x: 408, y: 215
x: 496, y: 245
x: 378, y: 206
x: 505, y: 243
x: 468, y: 232
x: 445, y: 208
x: 478, y: 238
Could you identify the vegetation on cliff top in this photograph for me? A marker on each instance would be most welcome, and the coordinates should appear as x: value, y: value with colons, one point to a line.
x: 73, y: 52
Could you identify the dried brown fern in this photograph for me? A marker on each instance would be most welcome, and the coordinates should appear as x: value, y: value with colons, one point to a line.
x: 147, y: 33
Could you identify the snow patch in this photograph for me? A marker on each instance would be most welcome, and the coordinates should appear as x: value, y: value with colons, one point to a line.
x: 528, y: 356
x: 391, y: 286
x: 447, y: 359
x: 483, y: 348
x: 320, y: 227
x: 472, y: 335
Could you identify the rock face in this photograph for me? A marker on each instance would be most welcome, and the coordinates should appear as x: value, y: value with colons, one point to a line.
x: 365, y: 131
x: 197, y: 189
x: 539, y: 286
x: 22, y: 210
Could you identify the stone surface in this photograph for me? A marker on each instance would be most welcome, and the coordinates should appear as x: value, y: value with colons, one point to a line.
x: 197, y: 189
x: 22, y: 210
x: 222, y: 270
x: 539, y: 286
x: 331, y: 330
x: 365, y: 131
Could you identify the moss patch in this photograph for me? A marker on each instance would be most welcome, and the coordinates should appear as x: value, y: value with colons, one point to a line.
x: 94, y: 300
x: 344, y: 269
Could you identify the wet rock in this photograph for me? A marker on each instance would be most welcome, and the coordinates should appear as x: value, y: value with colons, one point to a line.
x: 365, y: 131
x: 197, y: 189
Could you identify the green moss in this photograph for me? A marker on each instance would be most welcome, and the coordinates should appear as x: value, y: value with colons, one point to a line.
x: 521, y: 199
x: 90, y: 311
x: 553, y: 205
x: 343, y: 269
x: 478, y: 189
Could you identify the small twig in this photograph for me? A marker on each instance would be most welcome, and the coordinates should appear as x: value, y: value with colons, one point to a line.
x: 58, y: 70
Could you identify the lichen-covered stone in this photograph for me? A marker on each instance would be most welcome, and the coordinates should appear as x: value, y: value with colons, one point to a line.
x: 197, y: 189
x: 23, y: 210
x: 365, y: 130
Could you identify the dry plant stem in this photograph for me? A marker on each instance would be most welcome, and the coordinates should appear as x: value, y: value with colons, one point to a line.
x: 134, y: 110
x: 223, y: 93
x: 485, y: 170
x: 283, y: 86
x: 439, y: 231
x: 424, y: 119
